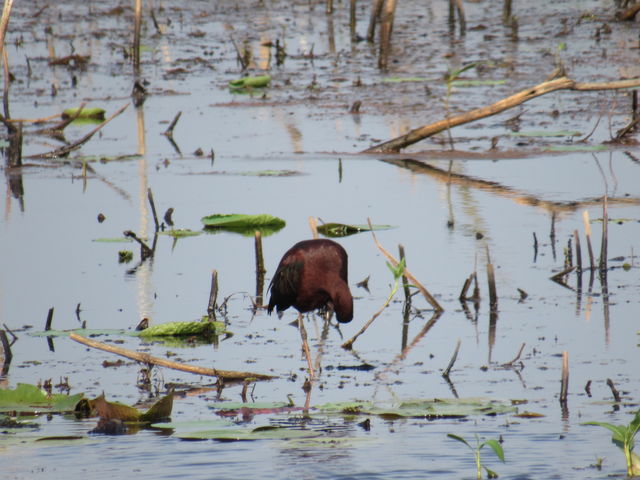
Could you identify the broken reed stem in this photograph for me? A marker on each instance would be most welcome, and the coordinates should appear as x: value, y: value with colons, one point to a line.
x: 146, y: 252
x: 405, y: 284
x: 153, y: 209
x: 564, y: 385
x: 136, y: 38
x: 375, y: 16
x: 6, y: 349
x: 491, y: 279
x: 169, y: 131
x: 614, y: 390
x: 454, y: 357
x: 260, y: 270
x: 558, y: 276
x: 605, y: 237
x: 47, y: 325
x: 329, y: 9
x: 348, y: 345
x: 162, y: 362
x: 352, y: 18
x: 432, y: 301
x: 587, y: 232
x: 576, y: 240
x: 313, y: 225
x: 517, y: 357
x: 4, y: 24
x: 562, y: 83
x: 213, y: 294
x: 386, y: 29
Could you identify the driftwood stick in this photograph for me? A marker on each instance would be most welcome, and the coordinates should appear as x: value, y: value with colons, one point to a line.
x: 162, y: 362
x: 63, y: 151
x: 630, y: 13
x: 434, y: 303
x: 562, y: 83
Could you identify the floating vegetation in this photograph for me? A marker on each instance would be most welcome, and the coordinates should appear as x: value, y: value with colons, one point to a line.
x: 247, y: 83
x: 181, y: 233
x: 184, y: 329
x: 546, y: 133
x: 244, y: 224
x: 96, y: 114
x: 342, y: 230
x: 27, y: 398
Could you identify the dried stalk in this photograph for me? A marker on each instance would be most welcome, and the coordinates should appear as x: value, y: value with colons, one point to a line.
x: 562, y: 83
x: 148, y: 359
x: 454, y: 357
x: 564, y: 385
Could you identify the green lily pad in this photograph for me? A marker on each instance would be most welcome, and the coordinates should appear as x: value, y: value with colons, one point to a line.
x: 183, y: 329
x: 26, y: 398
x: 260, y: 433
x: 433, y: 408
x: 85, y: 114
x: 404, y: 79
x: 341, y: 230
x: 181, y: 233
x: 236, y: 220
x: 260, y: 81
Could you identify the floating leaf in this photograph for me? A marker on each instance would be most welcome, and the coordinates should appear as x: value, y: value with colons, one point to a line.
x: 435, y: 408
x: 113, y: 240
x: 181, y: 329
x: 181, y: 233
x: 260, y: 81
x: 260, y: 433
x: 576, y: 148
x: 342, y: 230
x: 114, y: 410
x: 236, y: 220
x: 26, y: 398
x: 85, y: 114
x: 86, y: 332
x: 526, y: 414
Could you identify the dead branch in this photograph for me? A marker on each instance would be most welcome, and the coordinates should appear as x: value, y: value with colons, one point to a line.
x: 630, y: 13
x: 562, y: 83
x: 64, y: 151
x: 146, y: 358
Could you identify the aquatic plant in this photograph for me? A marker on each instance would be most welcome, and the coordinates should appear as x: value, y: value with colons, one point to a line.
x: 624, y: 437
x: 492, y: 443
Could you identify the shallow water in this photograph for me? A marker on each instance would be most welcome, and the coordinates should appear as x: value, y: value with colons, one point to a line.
x: 51, y: 258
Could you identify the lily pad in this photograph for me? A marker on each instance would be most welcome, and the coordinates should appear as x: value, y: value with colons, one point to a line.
x: 433, y: 408
x: 26, y: 398
x: 576, y: 148
x: 184, y: 329
x: 85, y: 114
x: 236, y: 220
x: 259, y: 81
x: 260, y: 433
x: 341, y: 230
x: 181, y: 233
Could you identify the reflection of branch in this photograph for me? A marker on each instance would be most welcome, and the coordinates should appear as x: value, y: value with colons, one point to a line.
x: 562, y: 83
x: 447, y: 176
x: 63, y: 151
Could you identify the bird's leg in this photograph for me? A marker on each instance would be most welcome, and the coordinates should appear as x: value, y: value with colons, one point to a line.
x: 305, y: 345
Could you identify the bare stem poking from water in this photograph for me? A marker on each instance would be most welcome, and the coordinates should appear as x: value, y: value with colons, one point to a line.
x: 153, y: 209
x: 564, y: 384
x: 386, y: 29
x: 434, y: 303
x: 47, y: 325
x: 260, y: 270
x: 136, y: 39
x: 376, y: 11
x: 213, y: 295
x: 6, y: 352
x: 454, y: 357
x: 587, y: 232
x: 614, y: 390
x: 169, y: 131
x: 148, y: 359
x: 562, y: 83
x: 491, y: 279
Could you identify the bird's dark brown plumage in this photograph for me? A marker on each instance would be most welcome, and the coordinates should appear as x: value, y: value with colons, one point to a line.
x: 313, y: 274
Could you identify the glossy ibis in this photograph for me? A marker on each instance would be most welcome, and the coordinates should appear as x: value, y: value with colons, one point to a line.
x: 311, y: 275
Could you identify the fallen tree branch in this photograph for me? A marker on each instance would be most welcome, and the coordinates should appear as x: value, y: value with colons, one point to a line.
x: 64, y: 151
x: 562, y: 83
x: 146, y: 358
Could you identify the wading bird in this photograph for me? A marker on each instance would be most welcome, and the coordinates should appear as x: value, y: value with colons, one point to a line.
x: 311, y: 275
